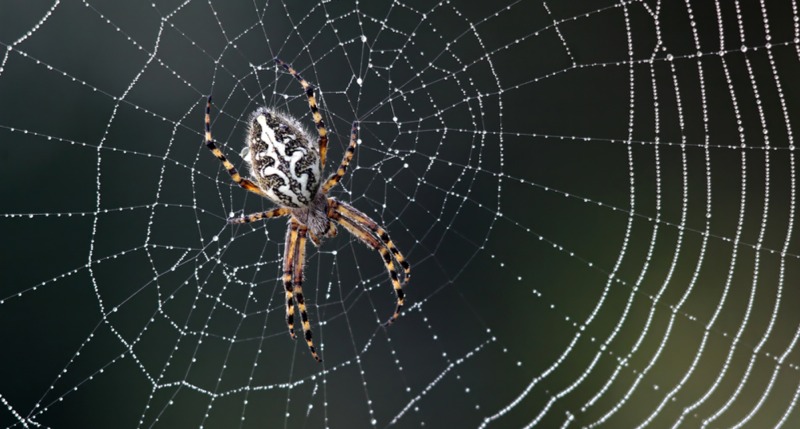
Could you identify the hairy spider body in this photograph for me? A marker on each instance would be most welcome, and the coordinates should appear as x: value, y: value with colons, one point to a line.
x: 282, y: 160
x: 316, y: 217
x: 286, y: 169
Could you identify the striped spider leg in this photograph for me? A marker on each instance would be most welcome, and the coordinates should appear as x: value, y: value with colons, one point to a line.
x: 368, y: 231
x: 286, y: 168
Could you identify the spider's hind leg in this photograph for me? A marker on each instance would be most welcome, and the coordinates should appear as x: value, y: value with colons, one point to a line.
x: 312, y: 104
x: 212, y: 146
x: 348, y: 156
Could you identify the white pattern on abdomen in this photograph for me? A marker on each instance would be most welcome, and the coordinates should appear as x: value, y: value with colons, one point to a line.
x: 277, y: 152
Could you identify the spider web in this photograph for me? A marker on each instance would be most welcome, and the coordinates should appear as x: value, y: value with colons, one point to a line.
x: 597, y: 200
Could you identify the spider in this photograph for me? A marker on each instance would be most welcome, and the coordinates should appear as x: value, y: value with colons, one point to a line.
x: 286, y: 169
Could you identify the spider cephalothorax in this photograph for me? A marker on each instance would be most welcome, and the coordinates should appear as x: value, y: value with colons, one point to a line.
x: 287, y: 169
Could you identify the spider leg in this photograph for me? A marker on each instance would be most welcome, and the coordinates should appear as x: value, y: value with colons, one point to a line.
x: 241, y: 181
x: 312, y: 104
x: 314, y: 239
x: 348, y: 156
x: 297, y: 282
x: 289, y: 253
x: 281, y: 211
x: 357, y: 215
x: 331, y: 230
x: 366, y: 230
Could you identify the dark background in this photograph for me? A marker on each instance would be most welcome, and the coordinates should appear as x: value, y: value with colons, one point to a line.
x: 565, y: 246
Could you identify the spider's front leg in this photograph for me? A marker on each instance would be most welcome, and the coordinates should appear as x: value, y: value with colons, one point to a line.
x: 289, y: 253
x: 332, y: 231
x: 314, y: 239
x: 373, y: 235
x: 297, y: 283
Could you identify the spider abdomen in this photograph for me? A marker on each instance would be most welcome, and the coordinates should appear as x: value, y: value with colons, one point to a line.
x: 282, y: 160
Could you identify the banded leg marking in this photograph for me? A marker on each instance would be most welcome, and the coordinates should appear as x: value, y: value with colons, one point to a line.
x: 297, y: 282
x: 255, y: 217
x: 241, y: 181
x: 289, y: 252
x: 312, y: 104
x: 348, y: 156
x: 363, y: 233
x: 373, y: 226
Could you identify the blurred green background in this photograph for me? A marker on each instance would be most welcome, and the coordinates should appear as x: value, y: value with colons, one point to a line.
x: 600, y: 221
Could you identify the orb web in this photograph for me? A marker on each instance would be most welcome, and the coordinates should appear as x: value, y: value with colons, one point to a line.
x: 597, y: 201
